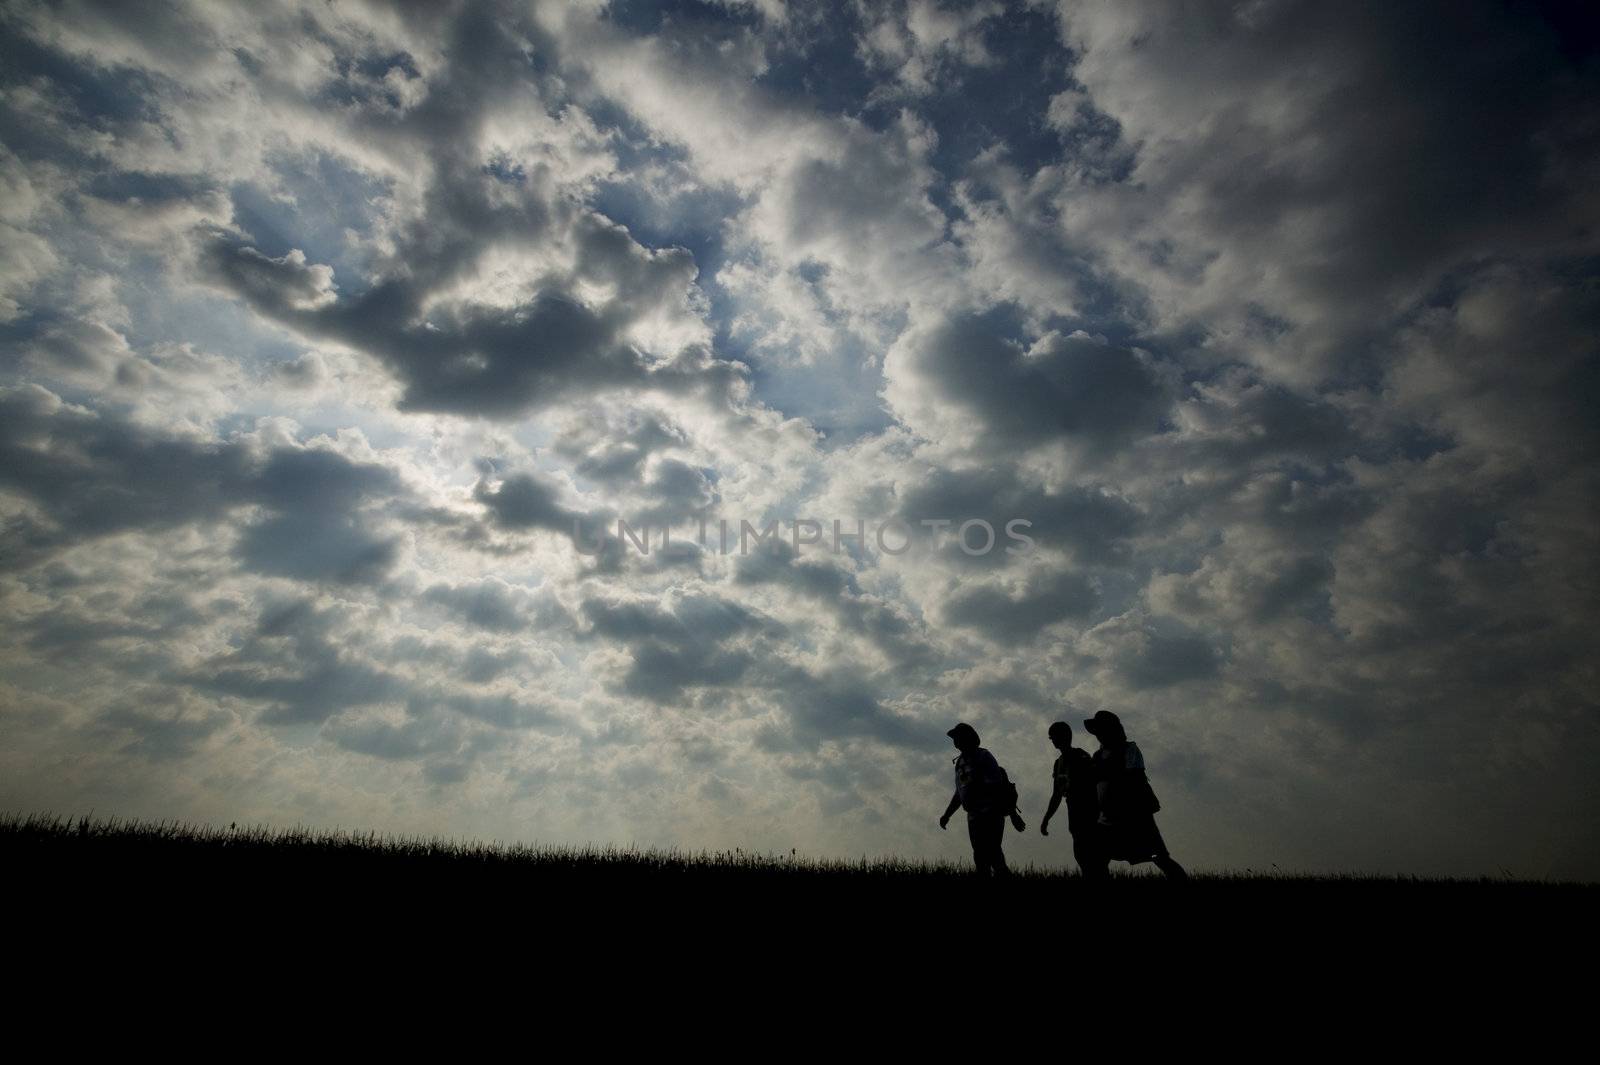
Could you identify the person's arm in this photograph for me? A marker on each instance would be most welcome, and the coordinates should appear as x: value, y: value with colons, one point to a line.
x: 950, y: 811
x: 1055, y: 803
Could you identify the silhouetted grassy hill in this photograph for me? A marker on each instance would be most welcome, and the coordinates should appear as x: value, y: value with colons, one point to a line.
x: 66, y: 852
x: 153, y: 905
x: 596, y: 939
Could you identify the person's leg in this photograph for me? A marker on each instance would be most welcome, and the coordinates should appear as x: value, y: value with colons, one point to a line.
x: 980, y: 856
x: 997, y: 857
x: 1092, y: 862
x: 985, y: 832
x: 1172, y: 869
x: 1163, y: 860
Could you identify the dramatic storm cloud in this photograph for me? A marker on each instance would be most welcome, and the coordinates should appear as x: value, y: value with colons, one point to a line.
x: 1229, y: 365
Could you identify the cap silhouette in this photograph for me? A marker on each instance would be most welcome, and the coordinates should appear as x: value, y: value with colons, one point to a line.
x: 1104, y: 724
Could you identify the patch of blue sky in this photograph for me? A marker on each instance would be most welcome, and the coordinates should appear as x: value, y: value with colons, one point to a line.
x: 1120, y: 588
x: 838, y: 394
x: 823, y: 65
x: 971, y: 108
x: 102, y: 95
x: 320, y: 203
x: 1006, y: 102
x: 323, y: 418
x: 692, y: 215
x: 124, y: 186
x: 840, y: 398
x: 362, y: 79
x: 1094, y: 140
x: 693, y: 218
x: 1100, y: 306
x: 378, y: 66
x: 651, y: 17
x: 160, y: 312
x: 506, y: 170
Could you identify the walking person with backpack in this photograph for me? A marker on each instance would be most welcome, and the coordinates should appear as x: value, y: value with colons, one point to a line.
x: 1074, y: 778
x: 988, y: 796
x: 1128, y: 805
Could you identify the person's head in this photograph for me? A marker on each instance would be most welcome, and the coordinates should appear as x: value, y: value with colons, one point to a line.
x: 1106, y: 727
x: 1061, y: 736
x: 965, y: 737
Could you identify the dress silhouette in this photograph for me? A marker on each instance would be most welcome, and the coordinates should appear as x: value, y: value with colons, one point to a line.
x: 983, y: 790
x: 1075, y: 785
x: 1126, y: 823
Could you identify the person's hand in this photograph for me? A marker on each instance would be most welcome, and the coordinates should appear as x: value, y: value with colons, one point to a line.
x: 1044, y: 827
x: 944, y: 821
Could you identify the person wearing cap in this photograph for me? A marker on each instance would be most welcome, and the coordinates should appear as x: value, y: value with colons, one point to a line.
x: 1126, y: 822
x: 983, y: 791
x: 1074, y: 778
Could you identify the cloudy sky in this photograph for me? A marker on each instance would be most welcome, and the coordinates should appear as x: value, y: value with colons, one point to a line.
x: 322, y: 323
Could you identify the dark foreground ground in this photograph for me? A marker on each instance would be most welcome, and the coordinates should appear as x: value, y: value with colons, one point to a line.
x: 206, y: 866
x: 603, y: 922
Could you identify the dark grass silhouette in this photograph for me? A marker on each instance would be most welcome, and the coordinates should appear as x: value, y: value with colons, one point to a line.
x: 50, y: 847
x: 281, y: 905
x: 48, y: 843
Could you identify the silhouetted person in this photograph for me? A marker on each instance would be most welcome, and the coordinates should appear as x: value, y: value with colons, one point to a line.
x: 984, y: 791
x: 1127, y: 823
x: 1074, y: 777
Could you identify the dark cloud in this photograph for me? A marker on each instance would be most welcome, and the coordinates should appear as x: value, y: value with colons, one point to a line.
x: 838, y: 704
x: 530, y: 500
x: 94, y: 473
x: 336, y: 549
x: 278, y: 286
x: 1092, y: 524
x: 651, y: 504
x: 416, y: 738
x: 306, y: 371
x: 526, y: 501
x: 308, y: 664
x: 161, y: 734
x: 675, y: 555
x: 780, y: 563
x: 1071, y: 388
x: 1161, y: 657
x: 675, y: 492
x: 705, y: 642
x: 487, y: 604
x: 1234, y: 422
x: 1023, y: 615
x: 295, y: 664
x: 466, y: 356
x: 318, y: 533
x: 617, y: 453
x: 499, y: 711
x: 686, y: 644
x: 887, y: 624
x: 1340, y: 162
x: 465, y: 359
x: 86, y: 347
